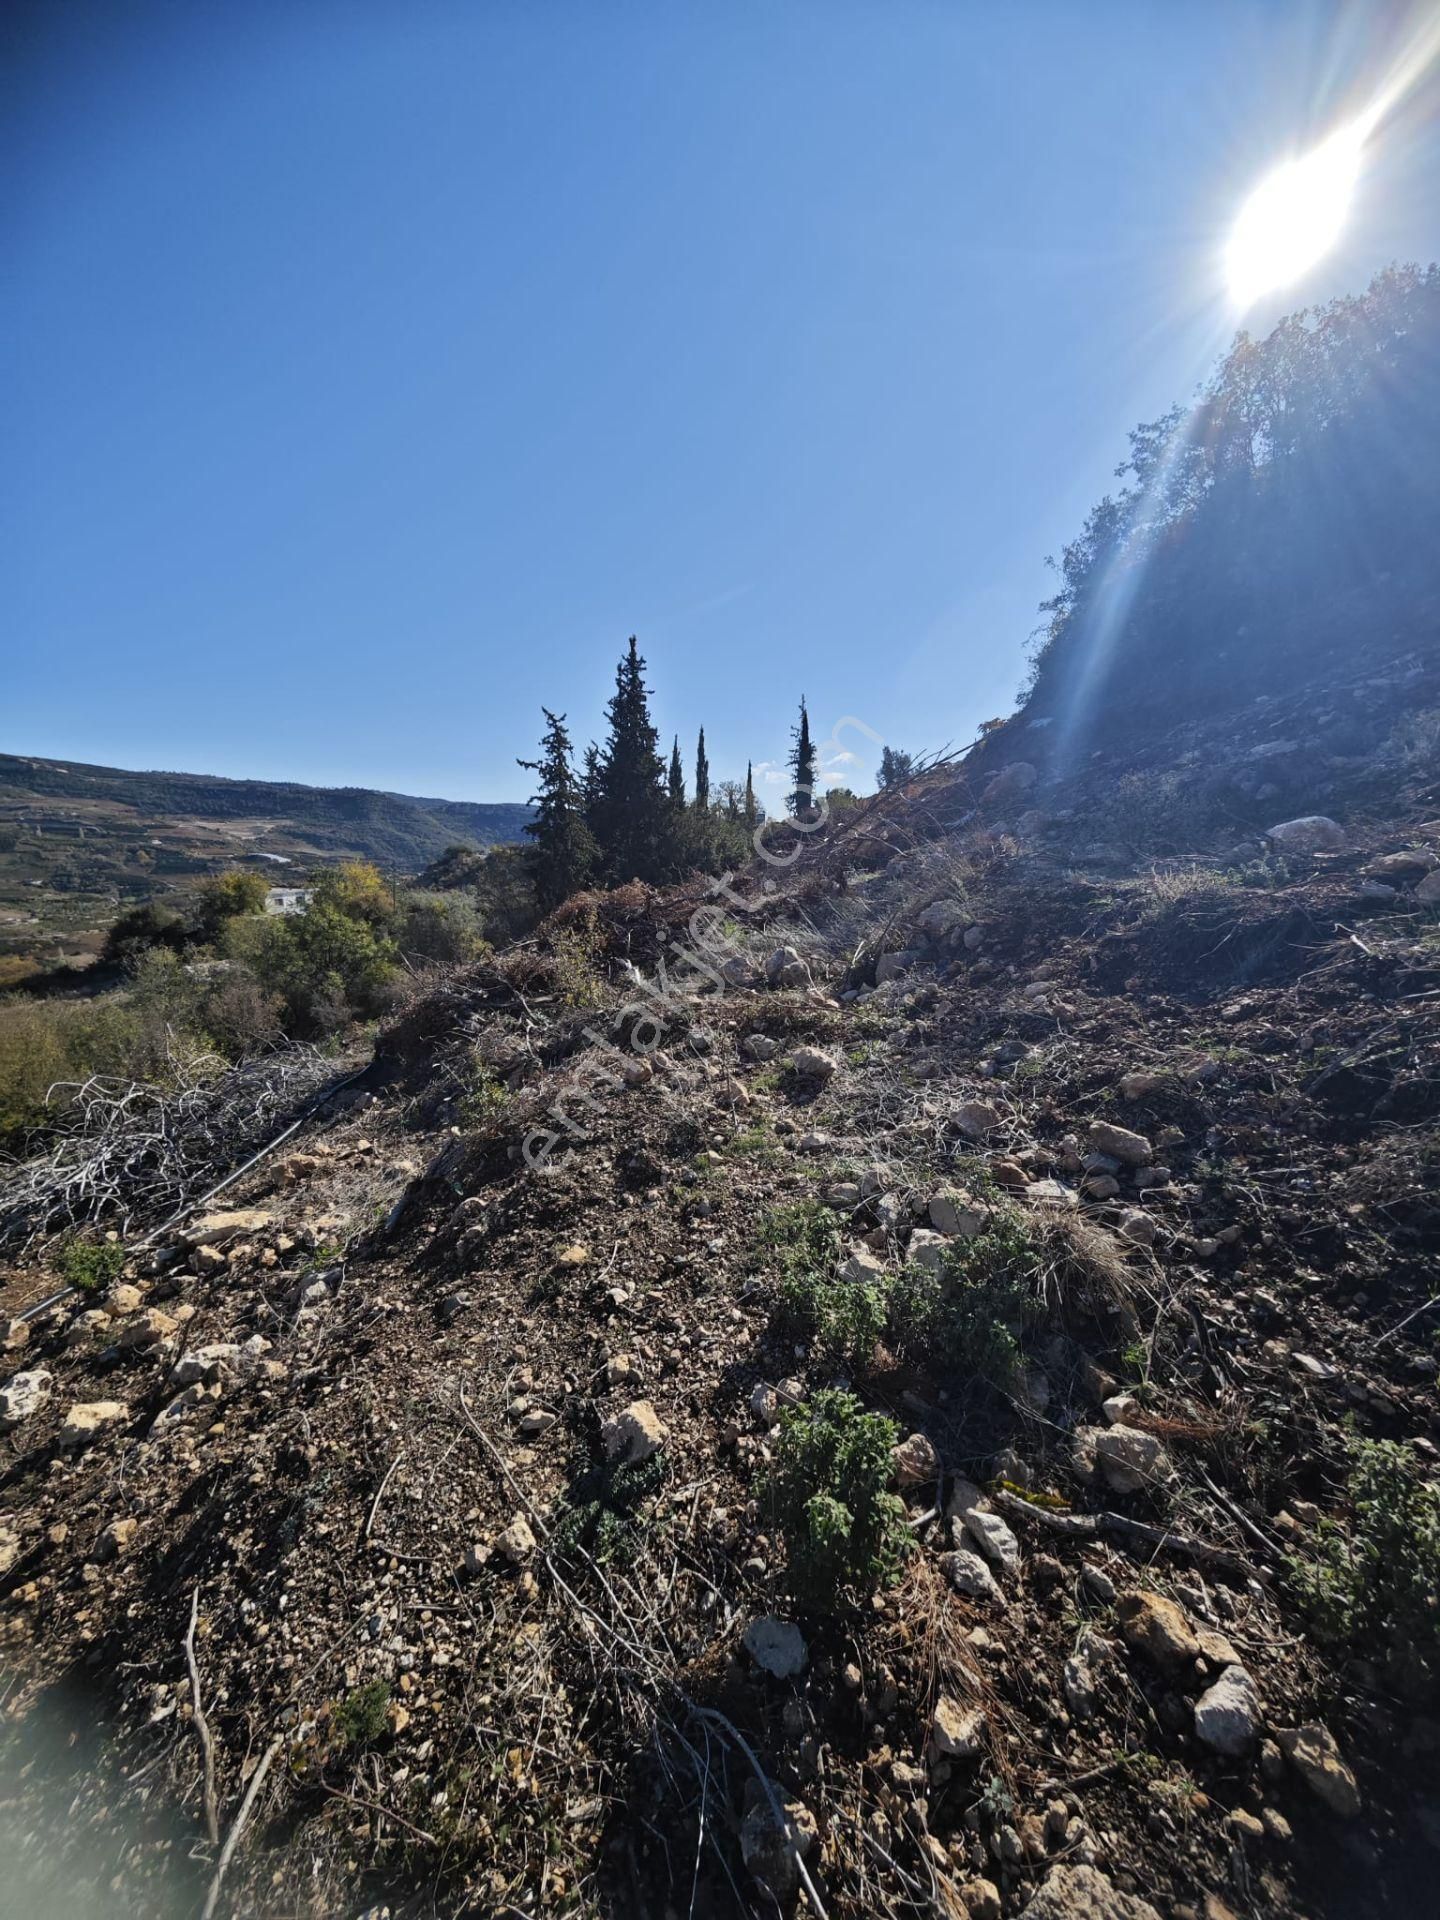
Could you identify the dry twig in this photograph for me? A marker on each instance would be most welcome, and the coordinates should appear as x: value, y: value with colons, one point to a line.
x: 202, y: 1725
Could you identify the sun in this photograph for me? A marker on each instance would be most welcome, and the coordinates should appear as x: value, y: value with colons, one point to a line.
x: 1293, y: 217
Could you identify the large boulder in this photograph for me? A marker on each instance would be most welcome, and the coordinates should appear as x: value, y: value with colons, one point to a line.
x: 976, y: 1118
x: 968, y: 1574
x: 1011, y: 783
x: 956, y: 1732
x: 1312, y: 833
x: 813, y: 1063
x: 941, y: 918
x: 915, y: 1461
x: 994, y: 1538
x: 955, y: 1213
x: 927, y: 1249
x: 890, y: 966
x: 770, y: 1846
x: 1128, y: 1457
x: 1159, y: 1628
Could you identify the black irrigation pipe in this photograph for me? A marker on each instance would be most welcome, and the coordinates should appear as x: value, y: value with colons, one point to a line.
x: 34, y: 1311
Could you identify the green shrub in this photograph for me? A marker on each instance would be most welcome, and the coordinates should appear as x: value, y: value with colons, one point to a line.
x: 361, y: 1717
x: 90, y: 1264
x: 846, y: 1317
x: 801, y: 1238
x: 1377, y: 1585
x: 969, y: 1314
x: 325, y: 965
x: 483, y: 1098
x: 576, y: 951
x: 844, y: 1530
x: 440, y: 928
x: 141, y: 929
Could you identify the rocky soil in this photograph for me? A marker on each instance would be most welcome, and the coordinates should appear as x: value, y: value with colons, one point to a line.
x: 399, y: 1539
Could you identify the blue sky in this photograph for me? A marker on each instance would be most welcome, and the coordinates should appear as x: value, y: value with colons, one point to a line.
x: 371, y: 371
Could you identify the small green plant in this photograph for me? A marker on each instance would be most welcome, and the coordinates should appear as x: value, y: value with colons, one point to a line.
x: 845, y: 1316
x: 483, y: 1099
x: 601, y: 1516
x: 1135, y: 1361
x: 1378, y: 1583
x: 362, y: 1716
x: 969, y: 1313
x: 90, y: 1264
x: 844, y: 1530
x: 997, y: 1803
x: 755, y: 1143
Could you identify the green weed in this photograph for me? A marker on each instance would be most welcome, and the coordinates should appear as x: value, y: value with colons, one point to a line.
x: 844, y: 1530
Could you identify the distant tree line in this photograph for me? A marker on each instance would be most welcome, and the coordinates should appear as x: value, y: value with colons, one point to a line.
x: 624, y: 813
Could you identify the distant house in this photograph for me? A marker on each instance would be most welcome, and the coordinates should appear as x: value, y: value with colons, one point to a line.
x: 287, y: 899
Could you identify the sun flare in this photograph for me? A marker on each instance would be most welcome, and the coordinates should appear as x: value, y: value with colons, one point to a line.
x: 1293, y: 217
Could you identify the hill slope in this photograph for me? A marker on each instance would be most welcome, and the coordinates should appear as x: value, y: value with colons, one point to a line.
x: 280, y: 818
x: 1109, y: 1178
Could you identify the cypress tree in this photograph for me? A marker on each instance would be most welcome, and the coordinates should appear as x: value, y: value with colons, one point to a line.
x: 563, y: 857
x: 752, y: 815
x: 702, y: 777
x: 590, y: 783
x: 677, y: 776
x: 802, y: 766
x: 631, y: 811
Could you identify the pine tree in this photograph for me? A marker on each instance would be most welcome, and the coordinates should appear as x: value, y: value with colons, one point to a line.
x: 702, y: 777
x: 896, y: 767
x: 632, y: 817
x: 752, y: 812
x: 564, y: 855
x: 802, y: 766
x: 677, y: 776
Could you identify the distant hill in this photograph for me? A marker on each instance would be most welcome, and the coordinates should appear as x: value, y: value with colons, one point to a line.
x: 203, y: 816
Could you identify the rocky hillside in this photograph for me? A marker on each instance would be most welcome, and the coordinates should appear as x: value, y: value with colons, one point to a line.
x: 904, y: 1384
x: 105, y: 812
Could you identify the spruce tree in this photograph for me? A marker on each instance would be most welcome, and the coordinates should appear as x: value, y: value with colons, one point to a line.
x: 702, y: 777
x: 802, y: 766
x: 563, y: 857
x: 632, y: 817
x: 677, y: 776
x: 752, y: 812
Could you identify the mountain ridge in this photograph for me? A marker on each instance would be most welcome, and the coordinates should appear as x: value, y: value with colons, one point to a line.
x: 376, y: 823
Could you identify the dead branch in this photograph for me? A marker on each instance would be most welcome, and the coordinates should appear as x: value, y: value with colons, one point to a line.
x: 202, y: 1725
x: 1090, y: 1525
x: 242, y: 1820
x: 130, y: 1151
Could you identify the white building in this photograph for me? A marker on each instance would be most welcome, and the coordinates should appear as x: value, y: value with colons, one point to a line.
x: 287, y: 899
